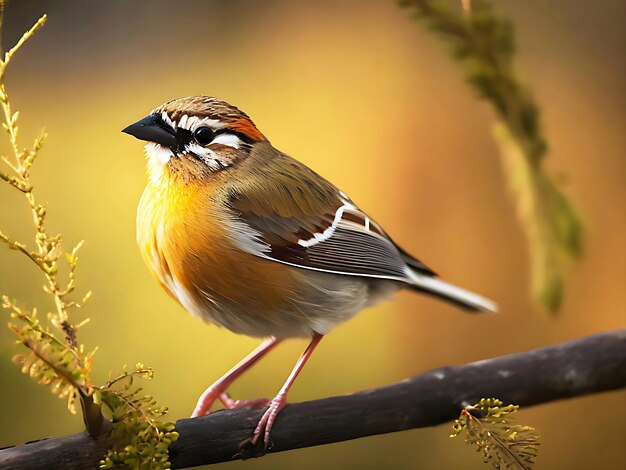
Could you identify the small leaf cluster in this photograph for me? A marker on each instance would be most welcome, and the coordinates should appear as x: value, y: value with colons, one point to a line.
x: 49, y: 361
x: 503, y: 443
x: 484, y: 45
x: 140, y: 439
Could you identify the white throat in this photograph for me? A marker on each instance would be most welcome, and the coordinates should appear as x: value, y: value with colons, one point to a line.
x: 157, y: 154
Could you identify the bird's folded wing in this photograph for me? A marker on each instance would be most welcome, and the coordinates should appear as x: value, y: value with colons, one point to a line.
x: 334, y: 236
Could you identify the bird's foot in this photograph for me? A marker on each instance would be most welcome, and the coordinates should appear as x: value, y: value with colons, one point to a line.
x: 263, y: 429
x: 231, y: 403
x: 259, y: 442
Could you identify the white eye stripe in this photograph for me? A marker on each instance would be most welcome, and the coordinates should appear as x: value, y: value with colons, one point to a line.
x: 231, y: 140
x: 191, y: 123
x: 223, y: 138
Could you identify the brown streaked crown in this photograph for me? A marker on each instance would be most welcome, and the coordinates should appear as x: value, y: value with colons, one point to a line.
x: 213, y: 108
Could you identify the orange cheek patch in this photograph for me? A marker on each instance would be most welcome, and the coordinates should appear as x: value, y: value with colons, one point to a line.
x: 247, y: 128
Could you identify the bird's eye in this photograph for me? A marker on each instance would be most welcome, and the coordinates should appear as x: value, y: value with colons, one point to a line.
x: 204, y: 135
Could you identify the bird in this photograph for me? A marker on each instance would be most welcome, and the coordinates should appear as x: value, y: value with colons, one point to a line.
x: 250, y: 239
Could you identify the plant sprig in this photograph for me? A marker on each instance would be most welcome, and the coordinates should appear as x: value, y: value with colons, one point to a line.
x: 136, y: 420
x: 488, y: 425
x: 140, y: 438
x: 47, y: 352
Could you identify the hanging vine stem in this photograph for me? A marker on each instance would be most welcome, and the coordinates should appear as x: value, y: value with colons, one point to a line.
x: 483, y: 44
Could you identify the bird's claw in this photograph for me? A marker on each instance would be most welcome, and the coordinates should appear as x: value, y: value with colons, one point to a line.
x: 267, y: 420
x: 255, y: 446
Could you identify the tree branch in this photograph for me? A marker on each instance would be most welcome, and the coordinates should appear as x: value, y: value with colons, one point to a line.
x: 589, y: 365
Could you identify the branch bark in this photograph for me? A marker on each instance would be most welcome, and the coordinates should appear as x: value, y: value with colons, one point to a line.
x: 589, y: 365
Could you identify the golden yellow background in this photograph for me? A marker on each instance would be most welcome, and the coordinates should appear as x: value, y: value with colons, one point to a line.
x: 370, y: 100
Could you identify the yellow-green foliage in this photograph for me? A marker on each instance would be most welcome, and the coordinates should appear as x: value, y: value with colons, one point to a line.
x: 504, y: 444
x: 54, y: 356
x: 483, y: 44
x: 50, y: 361
x: 141, y: 441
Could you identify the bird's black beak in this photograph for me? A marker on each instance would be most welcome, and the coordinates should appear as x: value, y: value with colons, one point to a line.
x: 153, y: 129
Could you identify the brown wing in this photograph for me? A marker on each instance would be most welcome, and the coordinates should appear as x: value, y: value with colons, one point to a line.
x: 304, y: 221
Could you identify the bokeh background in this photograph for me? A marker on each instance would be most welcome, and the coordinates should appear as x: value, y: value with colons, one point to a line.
x: 371, y: 101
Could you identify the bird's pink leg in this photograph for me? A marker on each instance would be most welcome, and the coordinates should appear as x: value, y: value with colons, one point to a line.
x: 219, y: 387
x: 280, y: 400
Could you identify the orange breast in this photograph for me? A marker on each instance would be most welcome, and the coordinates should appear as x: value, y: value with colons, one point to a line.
x: 183, y: 235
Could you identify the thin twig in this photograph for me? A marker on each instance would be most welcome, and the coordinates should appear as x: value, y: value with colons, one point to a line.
x: 25, y: 37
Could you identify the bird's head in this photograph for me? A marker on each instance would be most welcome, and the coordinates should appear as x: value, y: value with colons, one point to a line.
x: 196, y: 134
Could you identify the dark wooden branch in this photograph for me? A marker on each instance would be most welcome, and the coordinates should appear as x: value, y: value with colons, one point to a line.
x: 589, y: 365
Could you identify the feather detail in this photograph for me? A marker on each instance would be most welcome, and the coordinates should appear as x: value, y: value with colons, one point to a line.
x: 302, y: 220
x: 451, y: 293
x: 305, y: 221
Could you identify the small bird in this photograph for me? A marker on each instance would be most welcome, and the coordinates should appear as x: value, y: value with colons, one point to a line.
x: 247, y: 238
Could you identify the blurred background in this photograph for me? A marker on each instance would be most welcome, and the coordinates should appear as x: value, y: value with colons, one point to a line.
x: 370, y: 100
